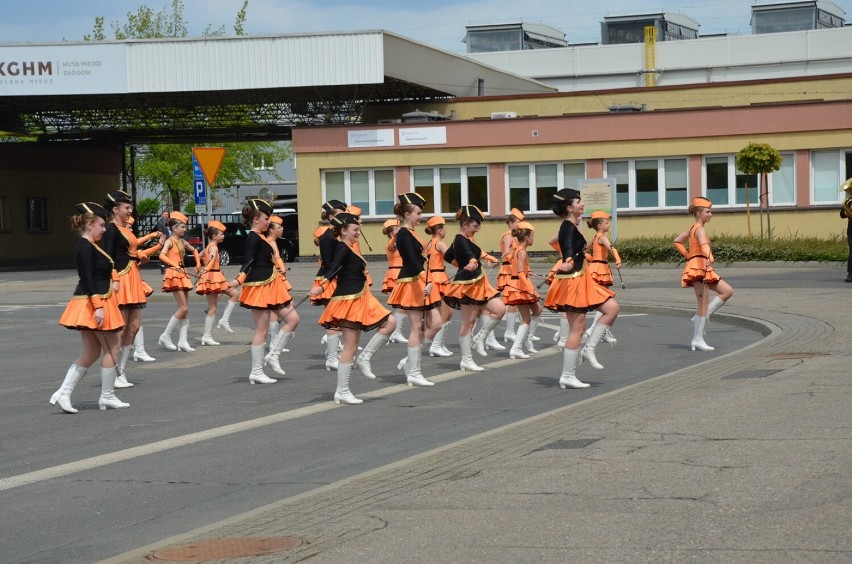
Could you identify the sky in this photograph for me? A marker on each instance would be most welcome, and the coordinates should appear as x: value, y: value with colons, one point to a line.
x: 439, y: 23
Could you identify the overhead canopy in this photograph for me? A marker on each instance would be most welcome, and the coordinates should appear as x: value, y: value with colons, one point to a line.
x: 227, y: 88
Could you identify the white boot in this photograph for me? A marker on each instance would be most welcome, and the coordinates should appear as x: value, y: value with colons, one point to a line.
x: 714, y: 305
x: 342, y: 393
x: 610, y: 338
x: 397, y: 336
x: 447, y: 351
x: 698, y: 341
x: 332, y: 352
x: 207, y: 337
x: 467, y: 363
x: 121, y: 378
x: 108, y: 398
x: 139, y: 354
x: 225, y: 320
x: 257, y: 375
x: 62, y: 396
x: 564, y: 331
x: 517, y: 350
x: 414, y: 377
x: 534, y: 321
x: 437, y: 346
x: 509, y: 332
x: 183, y: 337
x: 588, y: 332
x: 278, y: 343
x: 363, y: 362
x: 488, y: 323
x: 492, y: 343
x: 588, y: 351
x: 568, y: 378
x: 165, y: 339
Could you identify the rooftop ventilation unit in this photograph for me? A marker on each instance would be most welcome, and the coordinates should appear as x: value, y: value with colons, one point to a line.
x: 503, y: 115
x: 627, y: 108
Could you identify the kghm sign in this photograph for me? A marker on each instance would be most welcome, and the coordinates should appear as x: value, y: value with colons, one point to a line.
x: 26, y: 68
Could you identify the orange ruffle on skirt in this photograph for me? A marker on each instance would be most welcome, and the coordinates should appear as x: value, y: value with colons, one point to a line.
x: 504, y: 276
x: 80, y: 314
x: 361, y: 311
x: 268, y: 294
x: 175, y: 279
x: 519, y: 291
x: 477, y: 292
x: 212, y: 282
x: 327, y: 292
x: 576, y: 293
x: 600, y: 272
x: 131, y: 288
x: 147, y: 288
x: 390, y: 279
x: 696, y: 270
x: 409, y: 295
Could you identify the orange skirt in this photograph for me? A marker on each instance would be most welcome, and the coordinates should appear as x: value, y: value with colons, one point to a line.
x: 361, y: 311
x: 176, y: 280
x: 519, y: 291
x: 576, y: 293
x: 390, y: 279
x: 327, y: 292
x: 269, y: 294
x: 147, y: 288
x: 212, y: 282
x: 79, y: 314
x: 504, y: 276
x: 477, y: 292
x: 131, y: 288
x: 697, y: 270
x: 409, y: 295
x: 601, y: 273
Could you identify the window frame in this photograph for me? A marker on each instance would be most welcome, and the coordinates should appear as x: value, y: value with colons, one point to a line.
x: 733, y: 173
x: 370, y: 210
x: 43, y: 226
x: 661, y: 175
x: 532, y: 186
x: 435, y: 197
x: 843, y: 157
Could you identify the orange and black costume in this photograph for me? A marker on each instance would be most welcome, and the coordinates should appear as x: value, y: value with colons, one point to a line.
x: 327, y: 244
x: 96, y: 270
x: 176, y: 278
x: 211, y: 280
x: 123, y: 246
x: 599, y: 268
x: 467, y: 287
x: 519, y: 289
x: 407, y: 293
x: 262, y: 285
x: 574, y: 291
x: 697, y: 268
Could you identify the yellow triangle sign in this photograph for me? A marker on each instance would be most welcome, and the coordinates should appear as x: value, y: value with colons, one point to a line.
x: 209, y: 159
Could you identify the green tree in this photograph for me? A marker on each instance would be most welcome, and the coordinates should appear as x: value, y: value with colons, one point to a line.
x: 760, y: 158
x: 167, y: 168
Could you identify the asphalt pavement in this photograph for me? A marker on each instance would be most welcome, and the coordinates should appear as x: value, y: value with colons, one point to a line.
x: 738, y: 455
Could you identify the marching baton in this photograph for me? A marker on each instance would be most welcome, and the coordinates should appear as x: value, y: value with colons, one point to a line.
x: 365, y: 240
x: 620, y: 278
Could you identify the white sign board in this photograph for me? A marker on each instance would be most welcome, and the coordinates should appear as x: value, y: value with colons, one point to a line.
x: 423, y: 136
x: 48, y: 70
x: 371, y: 138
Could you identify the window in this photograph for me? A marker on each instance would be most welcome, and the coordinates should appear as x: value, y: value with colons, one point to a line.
x: 725, y: 185
x: 649, y: 183
x: 782, y: 182
x: 830, y: 170
x: 36, y: 214
x: 262, y: 162
x: 447, y: 189
x: 531, y: 185
x: 371, y: 190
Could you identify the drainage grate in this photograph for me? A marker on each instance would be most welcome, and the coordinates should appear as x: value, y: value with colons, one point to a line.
x: 756, y: 373
x: 221, y: 549
x: 568, y: 444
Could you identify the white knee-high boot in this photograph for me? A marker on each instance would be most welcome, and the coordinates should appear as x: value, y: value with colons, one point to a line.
x: 534, y: 321
x: 62, y: 396
x: 564, y: 331
x: 108, y: 398
x: 183, y: 337
x: 207, y: 337
x: 271, y: 331
x: 588, y: 332
x: 332, y: 352
x: 225, y: 320
x: 165, y: 339
x: 397, y: 336
x: 517, y: 350
x: 414, y: 376
x: 698, y: 334
x: 588, y: 351
x: 257, y: 375
x: 491, y: 341
x: 467, y: 363
x: 342, y: 394
x: 509, y: 333
x: 123, y: 357
x: 139, y: 353
x: 568, y: 378
x: 437, y: 346
x: 363, y: 362
x: 488, y: 324
x: 278, y: 343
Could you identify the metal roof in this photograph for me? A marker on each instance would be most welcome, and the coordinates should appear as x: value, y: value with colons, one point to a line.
x: 227, y: 87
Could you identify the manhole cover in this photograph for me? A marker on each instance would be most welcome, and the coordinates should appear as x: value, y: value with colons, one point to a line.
x: 221, y: 549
